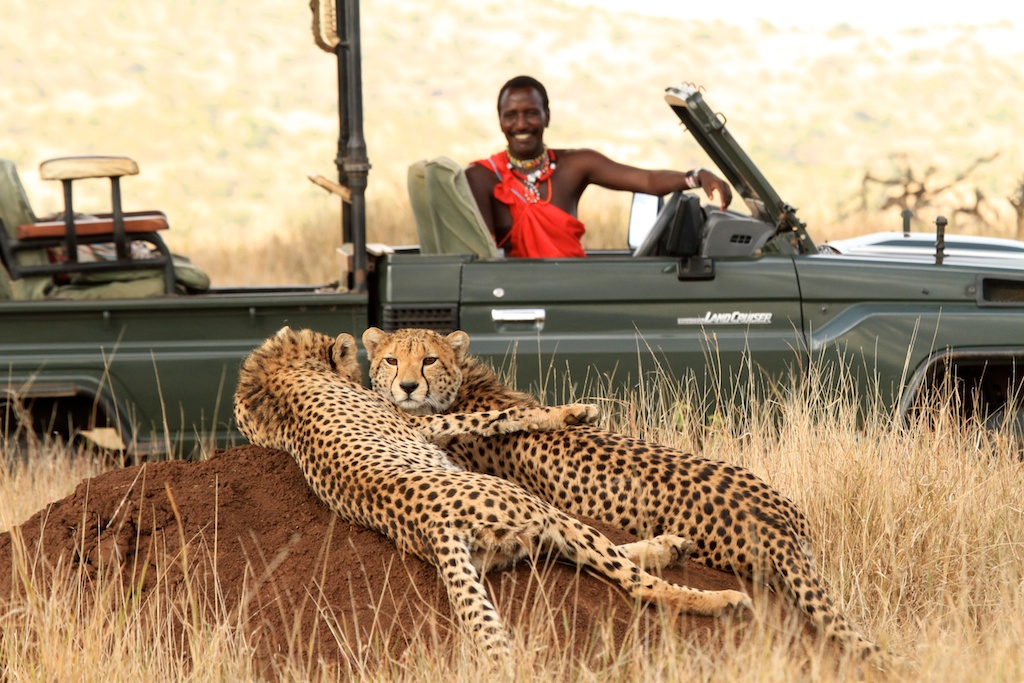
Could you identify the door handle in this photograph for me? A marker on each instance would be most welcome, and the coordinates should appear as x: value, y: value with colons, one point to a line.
x: 512, y: 319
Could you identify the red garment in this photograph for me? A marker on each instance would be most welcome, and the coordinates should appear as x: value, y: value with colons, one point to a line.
x: 539, y: 229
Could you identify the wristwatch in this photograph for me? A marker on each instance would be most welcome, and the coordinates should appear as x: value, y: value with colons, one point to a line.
x: 693, y: 178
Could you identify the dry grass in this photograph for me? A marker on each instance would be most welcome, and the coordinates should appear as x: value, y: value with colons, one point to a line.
x: 919, y: 529
x: 919, y: 533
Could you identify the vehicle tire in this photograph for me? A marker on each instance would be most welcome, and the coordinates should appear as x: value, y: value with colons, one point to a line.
x: 1009, y: 421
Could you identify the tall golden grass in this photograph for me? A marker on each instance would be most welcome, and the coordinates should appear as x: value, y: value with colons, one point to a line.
x: 305, y: 252
x: 919, y: 533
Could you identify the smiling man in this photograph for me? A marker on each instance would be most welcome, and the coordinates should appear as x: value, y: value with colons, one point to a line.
x: 528, y: 193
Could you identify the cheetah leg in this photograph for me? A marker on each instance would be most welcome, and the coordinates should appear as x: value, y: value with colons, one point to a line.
x: 493, y: 422
x: 658, y: 552
x: 468, y: 597
x: 576, y: 541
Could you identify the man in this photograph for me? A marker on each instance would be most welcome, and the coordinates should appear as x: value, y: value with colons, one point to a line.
x: 528, y: 194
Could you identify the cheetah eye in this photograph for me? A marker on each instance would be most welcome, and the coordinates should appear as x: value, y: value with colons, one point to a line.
x: 391, y: 360
x: 429, y: 360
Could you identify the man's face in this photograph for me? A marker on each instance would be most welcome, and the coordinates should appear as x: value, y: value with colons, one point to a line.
x: 523, y: 120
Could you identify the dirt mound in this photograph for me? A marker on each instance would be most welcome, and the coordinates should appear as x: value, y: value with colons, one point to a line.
x: 244, y: 525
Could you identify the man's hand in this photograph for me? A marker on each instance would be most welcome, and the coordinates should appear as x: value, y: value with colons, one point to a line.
x: 712, y: 184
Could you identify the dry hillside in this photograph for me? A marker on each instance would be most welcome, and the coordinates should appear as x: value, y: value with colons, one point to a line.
x: 226, y: 105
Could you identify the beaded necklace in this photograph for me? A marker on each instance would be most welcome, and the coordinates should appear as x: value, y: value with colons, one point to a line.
x: 530, y: 172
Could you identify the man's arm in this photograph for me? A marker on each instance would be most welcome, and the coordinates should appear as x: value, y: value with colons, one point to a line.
x: 602, y: 171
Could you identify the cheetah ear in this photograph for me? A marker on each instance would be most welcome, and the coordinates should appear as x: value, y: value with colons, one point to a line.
x: 283, y: 332
x: 372, y: 338
x: 344, y: 347
x: 459, y: 341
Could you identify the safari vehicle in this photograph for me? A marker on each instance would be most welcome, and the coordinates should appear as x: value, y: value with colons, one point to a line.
x: 717, y: 297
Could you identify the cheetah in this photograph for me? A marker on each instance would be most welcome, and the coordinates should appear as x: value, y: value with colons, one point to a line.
x: 736, y: 521
x: 301, y: 392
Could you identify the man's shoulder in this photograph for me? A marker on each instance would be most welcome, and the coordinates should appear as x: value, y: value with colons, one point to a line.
x: 480, y: 175
x: 578, y: 155
x: 487, y: 164
x: 479, y: 168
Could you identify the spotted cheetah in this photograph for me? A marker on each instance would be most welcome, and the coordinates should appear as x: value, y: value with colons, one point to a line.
x: 737, y: 522
x: 300, y: 392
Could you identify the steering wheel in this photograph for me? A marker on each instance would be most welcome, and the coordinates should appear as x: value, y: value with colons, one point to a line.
x: 664, y: 219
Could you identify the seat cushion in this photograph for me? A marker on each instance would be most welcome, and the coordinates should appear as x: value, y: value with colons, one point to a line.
x: 94, y: 225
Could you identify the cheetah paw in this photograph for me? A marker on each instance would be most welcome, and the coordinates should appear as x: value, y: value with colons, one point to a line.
x: 551, y: 419
x: 658, y: 552
x: 679, y: 547
x: 735, y: 602
x: 581, y: 413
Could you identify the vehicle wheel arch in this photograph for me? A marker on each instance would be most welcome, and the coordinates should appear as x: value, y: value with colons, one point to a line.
x: 984, y: 382
x: 60, y: 409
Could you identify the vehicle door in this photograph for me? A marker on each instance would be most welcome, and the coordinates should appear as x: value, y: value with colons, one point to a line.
x: 569, y: 327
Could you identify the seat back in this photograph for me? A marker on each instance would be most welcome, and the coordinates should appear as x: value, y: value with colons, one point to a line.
x: 687, y: 228
x: 421, y: 212
x: 16, y: 210
x: 448, y: 219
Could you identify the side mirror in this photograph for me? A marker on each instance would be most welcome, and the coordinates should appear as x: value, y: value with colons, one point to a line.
x: 642, y: 214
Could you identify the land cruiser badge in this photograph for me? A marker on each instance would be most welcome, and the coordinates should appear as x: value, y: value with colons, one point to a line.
x: 729, y: 318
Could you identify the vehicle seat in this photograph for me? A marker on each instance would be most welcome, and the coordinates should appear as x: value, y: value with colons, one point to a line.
x: 687, y: 229
x: 15, y: 210
x: 678, y: 230
x: 44, y: 259
x: 448, y: 220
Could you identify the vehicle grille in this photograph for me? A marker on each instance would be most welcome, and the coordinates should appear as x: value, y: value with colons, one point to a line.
x: 443, y: 319
x: 997, y: 291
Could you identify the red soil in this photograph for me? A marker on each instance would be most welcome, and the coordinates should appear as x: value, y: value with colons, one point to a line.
x: 282, y: 560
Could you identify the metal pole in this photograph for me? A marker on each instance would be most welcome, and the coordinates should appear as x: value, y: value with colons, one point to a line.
x: 940, y: 239
x: 339, y: 158
x: 353, y: 163
x: 70, y: 237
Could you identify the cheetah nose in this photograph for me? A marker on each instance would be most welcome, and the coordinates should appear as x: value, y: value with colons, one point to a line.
x: 409, y: 387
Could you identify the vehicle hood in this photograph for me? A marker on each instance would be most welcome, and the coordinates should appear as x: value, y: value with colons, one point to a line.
x: 923, y: 247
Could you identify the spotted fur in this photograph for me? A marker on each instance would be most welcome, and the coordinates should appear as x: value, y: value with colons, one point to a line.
x: 376, y: 467
x: 737, y: 522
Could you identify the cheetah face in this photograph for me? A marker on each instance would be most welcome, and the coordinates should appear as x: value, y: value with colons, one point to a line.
x: 416, y: 369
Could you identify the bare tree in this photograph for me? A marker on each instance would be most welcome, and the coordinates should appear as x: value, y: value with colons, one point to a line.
x: 1017, y: 202
x: 914, y: 189
x: 976, y: 211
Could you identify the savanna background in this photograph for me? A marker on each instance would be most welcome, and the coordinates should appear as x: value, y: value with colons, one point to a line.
x: 227, y: 105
